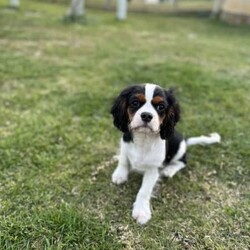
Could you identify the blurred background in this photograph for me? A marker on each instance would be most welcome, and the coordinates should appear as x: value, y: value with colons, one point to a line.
x: 234, y: 11
x: 62, y: 63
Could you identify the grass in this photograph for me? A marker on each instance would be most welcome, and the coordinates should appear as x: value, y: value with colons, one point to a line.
x: 57, y: 83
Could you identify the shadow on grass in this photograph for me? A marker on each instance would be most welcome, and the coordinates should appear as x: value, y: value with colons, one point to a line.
x: 75, y: 19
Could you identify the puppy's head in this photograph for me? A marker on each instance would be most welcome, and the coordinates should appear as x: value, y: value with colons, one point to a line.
x: 146, y: 108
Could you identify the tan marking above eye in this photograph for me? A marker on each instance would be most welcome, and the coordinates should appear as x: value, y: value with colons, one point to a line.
x: 141, y: 97
x: 157, y: 99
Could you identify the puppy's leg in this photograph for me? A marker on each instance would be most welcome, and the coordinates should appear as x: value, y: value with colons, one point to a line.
x: 141, y: 209
x: 178, y: 161
x: 120, y: 175
x: 173, y: 168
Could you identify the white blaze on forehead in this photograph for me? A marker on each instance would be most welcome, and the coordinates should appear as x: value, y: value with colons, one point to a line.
x: 149, y: 91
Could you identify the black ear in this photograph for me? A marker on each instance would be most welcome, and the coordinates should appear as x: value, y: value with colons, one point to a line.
x: 172, y: 115
x: 119, y: 110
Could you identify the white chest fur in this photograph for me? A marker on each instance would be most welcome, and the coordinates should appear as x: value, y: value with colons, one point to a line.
x: 145, y: 152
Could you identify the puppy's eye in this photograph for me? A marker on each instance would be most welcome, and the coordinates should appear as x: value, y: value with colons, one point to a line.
x: 160, y: 107
x: 135, y: 104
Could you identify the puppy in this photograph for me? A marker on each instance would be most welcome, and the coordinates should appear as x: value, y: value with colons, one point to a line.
x: 146, y: 114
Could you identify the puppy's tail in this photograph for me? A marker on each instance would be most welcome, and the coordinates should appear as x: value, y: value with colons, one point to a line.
x: 204, y: 140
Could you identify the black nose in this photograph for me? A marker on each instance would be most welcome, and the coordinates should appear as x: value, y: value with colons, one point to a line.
x: 146, y: 117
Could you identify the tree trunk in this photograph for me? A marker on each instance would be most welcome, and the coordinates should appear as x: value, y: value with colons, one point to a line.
x: 122, y: 6
x: 76, y: 8
x: 14, y: 3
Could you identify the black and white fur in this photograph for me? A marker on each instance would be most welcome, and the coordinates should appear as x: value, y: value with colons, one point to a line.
x: 147, y: 115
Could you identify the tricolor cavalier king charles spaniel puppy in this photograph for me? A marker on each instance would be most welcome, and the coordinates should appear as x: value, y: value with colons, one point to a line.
x: 147, y: 114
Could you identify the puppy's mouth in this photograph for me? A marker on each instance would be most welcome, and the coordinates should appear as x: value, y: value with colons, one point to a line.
x: 144, y: 128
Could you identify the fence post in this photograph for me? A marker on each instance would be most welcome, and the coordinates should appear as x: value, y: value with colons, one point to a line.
x: 122, y: 6
x: 76, y: 8
x: 14, y: 3
x: 217, y: 7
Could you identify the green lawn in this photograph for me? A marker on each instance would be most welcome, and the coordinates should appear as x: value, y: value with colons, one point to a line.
x: 57, y: 83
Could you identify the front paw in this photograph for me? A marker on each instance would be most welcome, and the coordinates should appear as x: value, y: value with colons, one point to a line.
x: 120, y: 175
x: 169, y: 171
x: 141, y: 212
